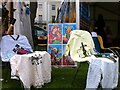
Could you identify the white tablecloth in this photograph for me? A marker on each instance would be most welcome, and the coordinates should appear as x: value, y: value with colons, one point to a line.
x: 32, y: 71
x: 104, y: 71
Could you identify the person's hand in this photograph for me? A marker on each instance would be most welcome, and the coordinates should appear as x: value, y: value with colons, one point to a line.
x: 13, y: 21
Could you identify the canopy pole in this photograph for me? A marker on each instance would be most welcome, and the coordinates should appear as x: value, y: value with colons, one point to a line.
x: 78, y: 14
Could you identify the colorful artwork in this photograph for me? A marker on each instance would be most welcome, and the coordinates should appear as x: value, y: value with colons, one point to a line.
x: 56, y: 54
x: 58, y: 36
x: 67, y: 28
x: 67, y: 60
x: 55, y: 34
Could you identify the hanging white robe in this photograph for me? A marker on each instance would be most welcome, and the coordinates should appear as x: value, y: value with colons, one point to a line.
x: 23, y: 23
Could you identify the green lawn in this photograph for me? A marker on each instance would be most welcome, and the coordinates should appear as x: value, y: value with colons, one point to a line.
x: 61, y: 78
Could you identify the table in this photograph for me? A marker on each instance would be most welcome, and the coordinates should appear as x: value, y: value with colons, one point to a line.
x: 32, y: 69
x: 104, y: 71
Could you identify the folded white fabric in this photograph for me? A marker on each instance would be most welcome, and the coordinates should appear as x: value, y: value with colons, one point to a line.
x: 32, y: 69
x: 103, y: 71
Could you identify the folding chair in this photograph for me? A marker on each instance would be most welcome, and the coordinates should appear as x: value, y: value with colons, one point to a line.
x: 80, y: 47
x: 98, y: 41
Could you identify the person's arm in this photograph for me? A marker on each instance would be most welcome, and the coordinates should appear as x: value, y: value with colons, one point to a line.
x: 9, y: 29
x: 100, y: 41
x: 11, y: 26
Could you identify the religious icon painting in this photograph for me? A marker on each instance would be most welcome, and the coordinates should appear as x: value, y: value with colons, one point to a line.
x: 58, y: 36
x: 67, y: 28
x: 56, y: 54
x: 54, y: 33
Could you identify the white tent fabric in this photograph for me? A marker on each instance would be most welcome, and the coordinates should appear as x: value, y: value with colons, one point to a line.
x: 8, y: 44
x: 22, y: 25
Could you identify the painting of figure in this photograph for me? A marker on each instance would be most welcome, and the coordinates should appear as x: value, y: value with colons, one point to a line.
x: 56, y: 54
x: 55, y: 34
x: 67, y: 28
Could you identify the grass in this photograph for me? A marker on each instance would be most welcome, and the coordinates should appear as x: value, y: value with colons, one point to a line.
x: 61, y: 78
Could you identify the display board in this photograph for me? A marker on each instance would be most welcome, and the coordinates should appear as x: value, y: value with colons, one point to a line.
x: 58, y: 36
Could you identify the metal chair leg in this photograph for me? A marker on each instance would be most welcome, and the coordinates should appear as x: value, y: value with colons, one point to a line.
x: 75, y: 74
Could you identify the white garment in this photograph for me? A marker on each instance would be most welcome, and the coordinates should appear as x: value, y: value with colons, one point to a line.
x: 94, y: 34
x: 74, y: 46
x: 8, y: 44
x: 46, y: 66
x: 104, y: 71
x: 23, y: 23
x: 29, y: 73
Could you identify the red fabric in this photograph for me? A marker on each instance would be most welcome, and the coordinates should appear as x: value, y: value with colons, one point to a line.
x: 22, y: 51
